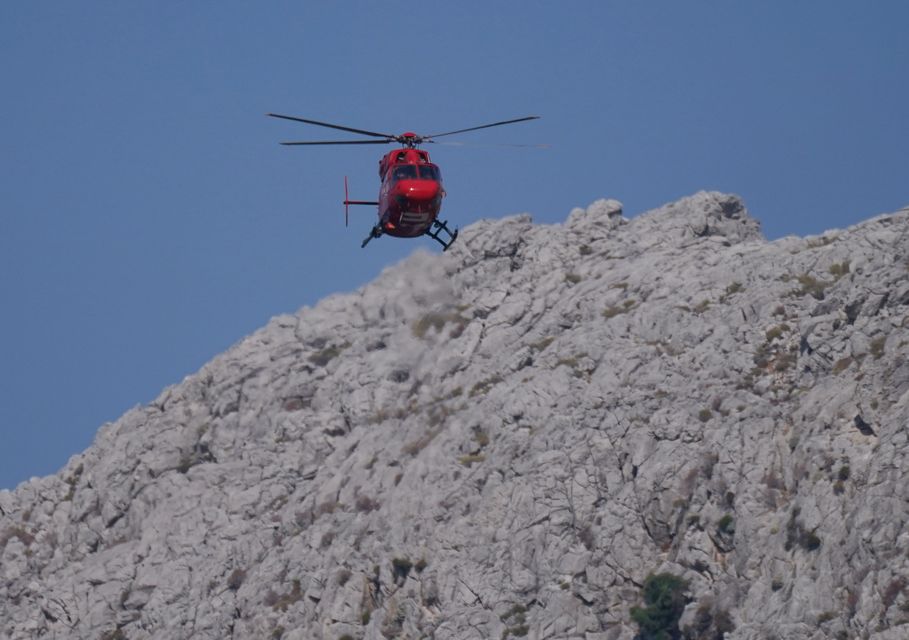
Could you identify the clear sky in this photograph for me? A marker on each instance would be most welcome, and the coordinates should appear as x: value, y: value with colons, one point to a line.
x: 149, y: 219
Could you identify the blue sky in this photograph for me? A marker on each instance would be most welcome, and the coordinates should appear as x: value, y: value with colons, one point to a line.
x: 149, y: 219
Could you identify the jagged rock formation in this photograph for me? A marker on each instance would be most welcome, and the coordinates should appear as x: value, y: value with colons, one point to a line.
x: 505, y: 441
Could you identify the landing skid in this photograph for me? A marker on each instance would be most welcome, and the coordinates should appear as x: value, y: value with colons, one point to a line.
x: 375, y: 232
x: 435, y: 232
x: 437, y: 228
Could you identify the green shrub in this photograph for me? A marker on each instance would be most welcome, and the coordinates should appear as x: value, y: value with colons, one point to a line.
x: 810, y: 286
x: 664, y: 597
x: 839, y: 269
x: 725, y: 525
x: 482, y: 387
x: 877, y: 347
x: 541, y: 344
x: 437, y: 320
x: 236, y: 579
x: 400, y: 568
x: 702, y: 306
x: 469, y: 460
x: 796, y: 534
x: 776, y: 332
x: 613, y: 311
x: 326, y: 355
x: 281, y: 602
x: 823, y: 241
x: 842, y: 364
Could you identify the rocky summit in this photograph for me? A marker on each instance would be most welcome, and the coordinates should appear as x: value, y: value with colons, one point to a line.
x: 606, y: 429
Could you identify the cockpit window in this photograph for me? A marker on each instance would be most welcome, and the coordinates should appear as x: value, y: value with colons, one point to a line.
x: 415, y: 172
x: 405, y: 172
x: 429, y: 172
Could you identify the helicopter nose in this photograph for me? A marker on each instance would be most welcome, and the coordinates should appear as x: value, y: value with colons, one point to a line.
x: 421, y: 190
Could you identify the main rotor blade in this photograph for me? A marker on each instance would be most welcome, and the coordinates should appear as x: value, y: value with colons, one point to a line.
x: 490, y: 144
x: 338, y: 142
x: 331, y: 126
x: 484, y: 126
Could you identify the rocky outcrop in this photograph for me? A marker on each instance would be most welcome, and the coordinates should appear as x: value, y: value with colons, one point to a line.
x: 507, y: 440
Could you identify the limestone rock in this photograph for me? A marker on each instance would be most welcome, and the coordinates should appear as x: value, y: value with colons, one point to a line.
x: 506, y: 440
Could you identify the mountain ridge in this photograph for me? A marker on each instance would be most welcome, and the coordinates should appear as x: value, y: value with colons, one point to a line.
x: 506, y: 440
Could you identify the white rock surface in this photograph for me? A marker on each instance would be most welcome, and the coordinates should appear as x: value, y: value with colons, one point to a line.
x: 506, y: 440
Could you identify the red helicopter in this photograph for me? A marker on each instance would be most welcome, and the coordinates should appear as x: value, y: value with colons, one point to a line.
x: 411, y: 193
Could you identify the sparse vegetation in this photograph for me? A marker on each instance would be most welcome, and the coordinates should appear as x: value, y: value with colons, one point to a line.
x: 280, y: 602
x: 776, y: 332
x: 892, y: 592
x: 701, y: 307
x: 796, y: 534
x: 842, y: 364
x: 877, y: 347
x: 16, y: 532
x: 823, y: 241
x: 665, y: 600
x: 809, y: 285
x: 482, y: 387
x: 573, y: 278
x: 72, y: 481
x: 365, y: 504
x: 516, y: 620
x: 826, y: 616
x: 415, y: 447
x: 542, y: 343
x: 400, y: 568
x: 324, y: 356
x: 709, y: 623
x: 839, y: 269
x: 585, y: 535
x: 470, y: 459
x: 571, y: 362
x: 726, y: 525
x: 236, y: 579
x: 704, y: 415
x: 733, y: 288
x: 613, y: 311
x: 437, y: 320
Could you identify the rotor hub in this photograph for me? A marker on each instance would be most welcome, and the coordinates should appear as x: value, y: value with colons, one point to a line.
x: 410, y: 139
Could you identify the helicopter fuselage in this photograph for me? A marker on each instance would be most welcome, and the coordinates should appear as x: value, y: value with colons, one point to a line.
x: 411, y: 193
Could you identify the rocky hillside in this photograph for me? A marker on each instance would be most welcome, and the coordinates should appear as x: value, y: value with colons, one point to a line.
x: 523, y: 437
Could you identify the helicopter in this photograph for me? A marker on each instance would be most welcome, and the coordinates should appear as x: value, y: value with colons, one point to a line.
x: 411, y: 193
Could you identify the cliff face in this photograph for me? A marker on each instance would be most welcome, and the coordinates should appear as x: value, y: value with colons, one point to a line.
x: 507, y: 440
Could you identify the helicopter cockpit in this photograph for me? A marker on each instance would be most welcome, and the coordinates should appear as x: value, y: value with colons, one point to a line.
x: 415, y: 172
